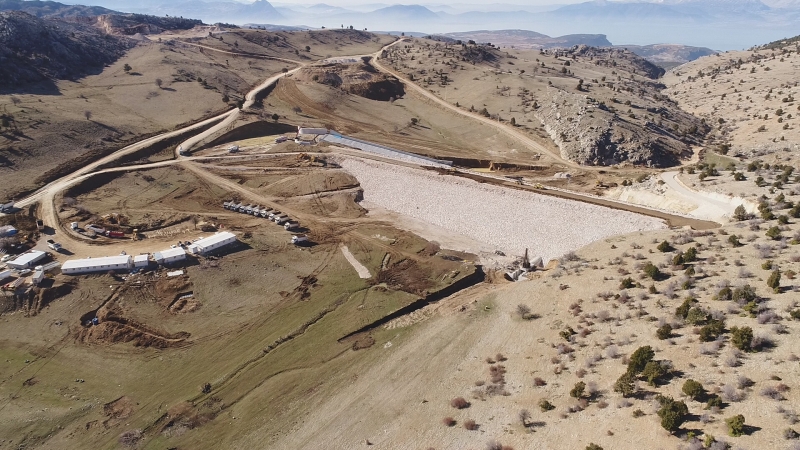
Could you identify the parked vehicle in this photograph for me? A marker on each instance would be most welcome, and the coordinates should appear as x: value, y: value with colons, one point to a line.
x: 7, y: 207
x: 273, y: 214
x: 280, y: 220
x: 115, y: 234
x: 291, y: 225
x: 299, y: 238
x: 280, y: 139
x: 95, y: 229
x: 53, y: 245
x: 39, y: 224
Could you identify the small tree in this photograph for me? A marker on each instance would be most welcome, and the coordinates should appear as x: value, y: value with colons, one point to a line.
x: 672, y: 413
x: 625, y: 385
x: 734, y: 240
x: 524, y: 417
x: 127, y: 68
x: 693, y: 389
x: 297, y: 109
x: 653, y: 370
x: 742, y: 338
x: 774, y: 281
x: 87, y: 114
x: 664, y: 331
x: 593, y: 446
x: 774, y: 233
x: 664, y: 247
x: 652, y: 271
x: 159, y: 82
x: 308, y: 48
x: 545, y: 405
x: 275, y: 117
x: 640, y: 358
x: 735, y: 425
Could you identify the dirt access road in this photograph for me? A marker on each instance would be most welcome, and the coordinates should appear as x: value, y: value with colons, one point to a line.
x: 46, y: 195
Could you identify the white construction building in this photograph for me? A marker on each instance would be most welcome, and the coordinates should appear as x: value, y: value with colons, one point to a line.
x: 213, y: 242
x: 141, y: 260
x: 106, y: 263
x: 5, y: 274
x: 38, y: 277
x: 26, y: 260
x: 170, y: 256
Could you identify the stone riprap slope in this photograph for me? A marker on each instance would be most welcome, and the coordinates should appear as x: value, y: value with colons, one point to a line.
x: 512, y: 220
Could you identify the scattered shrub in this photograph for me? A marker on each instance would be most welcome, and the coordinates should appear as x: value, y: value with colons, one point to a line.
x: 664, y: 331
x: 545, y: 405
x: 470, y: 424
x: 449, y: 421
x: 459, y: 403
x: 672, y: 413
x: 735, y: 425
x: 577, y: 390
x: 742, y: 338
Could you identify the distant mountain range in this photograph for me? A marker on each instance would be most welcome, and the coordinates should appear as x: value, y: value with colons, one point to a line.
x: 720, y: 24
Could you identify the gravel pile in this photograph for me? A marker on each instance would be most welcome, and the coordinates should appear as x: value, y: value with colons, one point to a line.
x: 508, y: 219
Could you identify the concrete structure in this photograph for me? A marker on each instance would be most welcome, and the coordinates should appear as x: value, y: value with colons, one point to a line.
x: 213, y: 242
x: 383, y: 150
x: 26, y: 260
x: 106, y: 263
x: 141, y: 260
x: 170, y: 256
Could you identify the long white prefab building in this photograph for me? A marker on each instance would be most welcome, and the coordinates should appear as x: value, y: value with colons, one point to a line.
x: 141, y: 260
x: 212, y: 242
x: 170, y: 255
x: 5, y: 274
x: 78, y: 266
x: 26, y: 260
x: 305, y: 131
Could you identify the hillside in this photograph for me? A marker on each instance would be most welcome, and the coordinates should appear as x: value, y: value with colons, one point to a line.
x: 669, y: 55
x: 49, y: 9
x: 34, y: 49
x: 748, y: 97
x: 600, y: 106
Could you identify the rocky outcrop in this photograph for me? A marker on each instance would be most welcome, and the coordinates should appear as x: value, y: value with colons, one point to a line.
x: 131, y: 24
x: 587, y: 132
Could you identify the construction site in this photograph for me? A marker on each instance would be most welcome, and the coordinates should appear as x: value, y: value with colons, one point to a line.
x: 265, y: 259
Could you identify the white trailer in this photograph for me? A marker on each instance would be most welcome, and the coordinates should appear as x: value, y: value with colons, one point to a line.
x: 291, y: 225
x: 5, y: 274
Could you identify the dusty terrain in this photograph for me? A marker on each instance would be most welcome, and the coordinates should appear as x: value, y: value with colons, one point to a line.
x: 371, y: 334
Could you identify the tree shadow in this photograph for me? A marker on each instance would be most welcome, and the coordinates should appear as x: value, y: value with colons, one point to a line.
x: 169, y: 89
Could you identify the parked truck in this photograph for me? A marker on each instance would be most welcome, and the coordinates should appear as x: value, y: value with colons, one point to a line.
x: 96, y: 229
x: 265, y: 212
x: 53, y: 245
x: 280, y: 220
x: 115, y: 234
x: 299, y: 238
x: 273, y: 214
x: 291, y: 225
x: 39, y: 224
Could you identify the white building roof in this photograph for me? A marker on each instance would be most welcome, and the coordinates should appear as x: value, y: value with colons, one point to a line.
x: 96, y: 262
x: 215, y: 239
x: 27, y: 258
x: 170, y: 253
x: 141, y: 258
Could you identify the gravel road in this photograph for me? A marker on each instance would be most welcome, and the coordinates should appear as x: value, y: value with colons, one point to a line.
x: 509, y: 219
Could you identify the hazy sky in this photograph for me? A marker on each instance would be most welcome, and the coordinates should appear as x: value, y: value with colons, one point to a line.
x: 460, y: 5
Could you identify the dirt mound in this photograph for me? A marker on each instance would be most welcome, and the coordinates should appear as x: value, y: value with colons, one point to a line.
x: 406, y: 276
x: 113, y: 329
x: 117, y: 411
x: 358, y: 79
